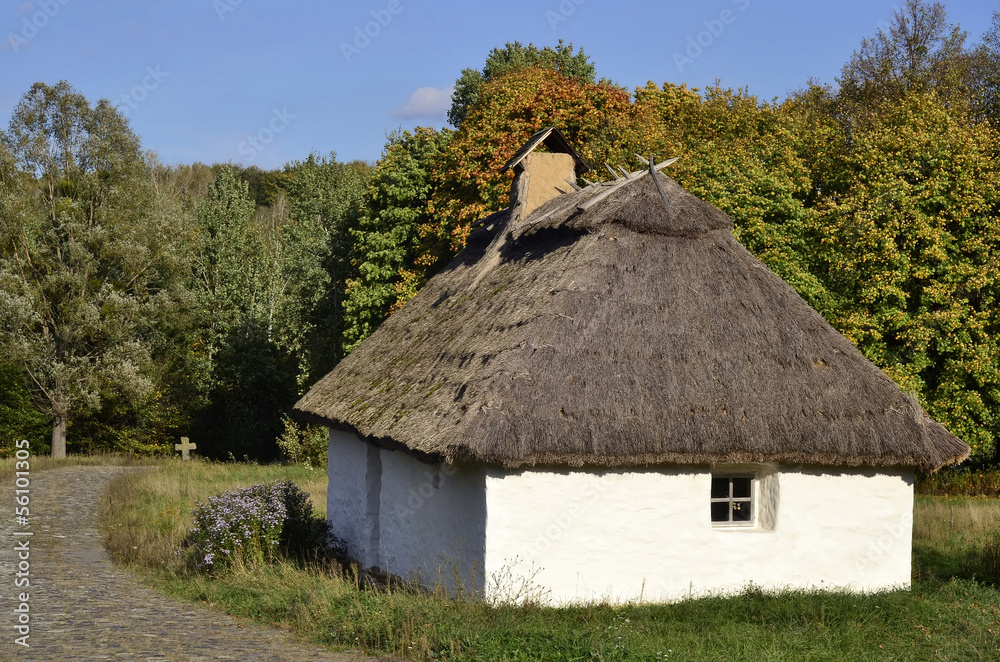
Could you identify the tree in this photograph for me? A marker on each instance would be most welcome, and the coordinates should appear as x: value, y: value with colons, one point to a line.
x: 909, y: 240
x: 19, y: 418
x: 84, y: 278
x: 264, y: 275
x: 466, y: 180
x: 985, y: 77
x: 240, y: 291
x: 329, y: 192
x: 921, y: 51
x: 385, y: 242
x: 511, y: 57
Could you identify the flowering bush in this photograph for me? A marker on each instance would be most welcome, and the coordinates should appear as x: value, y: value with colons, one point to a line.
x: 254, y: 525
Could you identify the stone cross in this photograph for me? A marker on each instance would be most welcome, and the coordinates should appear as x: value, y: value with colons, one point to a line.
x: 185, y: 447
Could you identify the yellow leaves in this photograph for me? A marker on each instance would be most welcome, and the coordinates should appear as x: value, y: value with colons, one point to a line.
x: 909, y: 243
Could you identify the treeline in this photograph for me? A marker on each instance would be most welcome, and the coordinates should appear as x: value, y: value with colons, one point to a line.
x: 140, y: 302
x: 877, y: 199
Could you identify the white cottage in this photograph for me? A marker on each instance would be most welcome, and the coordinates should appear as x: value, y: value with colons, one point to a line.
x: 607, y: 397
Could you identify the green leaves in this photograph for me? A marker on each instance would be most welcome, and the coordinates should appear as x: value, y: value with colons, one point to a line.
x: 386, y: 242
x: 910, y: 250
x: 80, y: 270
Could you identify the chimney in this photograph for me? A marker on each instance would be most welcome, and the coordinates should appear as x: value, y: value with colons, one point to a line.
x: 541, y: 176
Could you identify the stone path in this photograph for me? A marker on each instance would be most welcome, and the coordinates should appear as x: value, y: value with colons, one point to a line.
x: 85, y: 608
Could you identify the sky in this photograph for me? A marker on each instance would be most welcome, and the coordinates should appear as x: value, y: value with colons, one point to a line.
x: 265, y: 83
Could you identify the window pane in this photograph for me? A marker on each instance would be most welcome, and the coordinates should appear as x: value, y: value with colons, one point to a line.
x: 720, y: 511
x: 741, y: 511
x: 720, y: 488
x: 741, y: 488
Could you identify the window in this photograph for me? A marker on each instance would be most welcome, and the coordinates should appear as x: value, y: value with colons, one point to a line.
x: 733, y: 500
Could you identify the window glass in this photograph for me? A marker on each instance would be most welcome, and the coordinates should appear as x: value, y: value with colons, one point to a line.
x: 720, y: 511
x: 732, y: 500
x: 741, y: 511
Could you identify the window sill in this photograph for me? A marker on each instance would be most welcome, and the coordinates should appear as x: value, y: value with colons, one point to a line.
x: 748, y: 528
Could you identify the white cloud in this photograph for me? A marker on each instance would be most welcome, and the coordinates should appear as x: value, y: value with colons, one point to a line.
x: 426, y: 102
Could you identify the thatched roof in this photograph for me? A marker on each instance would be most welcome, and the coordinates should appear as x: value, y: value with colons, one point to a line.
x: 619, y: 327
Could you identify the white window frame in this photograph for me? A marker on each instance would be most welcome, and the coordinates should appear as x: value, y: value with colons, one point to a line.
x: 752, y: 500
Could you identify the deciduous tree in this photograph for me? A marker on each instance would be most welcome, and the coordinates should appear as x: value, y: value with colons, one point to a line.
x: 385, y: 242
x: 908, y: 249
x: 84, y: 277
x: 513, y: 56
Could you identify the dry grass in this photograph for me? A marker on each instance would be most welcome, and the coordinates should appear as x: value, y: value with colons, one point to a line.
x: 146, y: 516
x: 935, y: 520
x: 956, y: 537
x: 39, y: 463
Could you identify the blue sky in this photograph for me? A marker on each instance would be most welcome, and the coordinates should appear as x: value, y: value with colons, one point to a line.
x: 265, y: 83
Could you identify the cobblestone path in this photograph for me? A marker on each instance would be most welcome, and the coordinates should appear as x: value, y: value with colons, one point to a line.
x: 85, y: 608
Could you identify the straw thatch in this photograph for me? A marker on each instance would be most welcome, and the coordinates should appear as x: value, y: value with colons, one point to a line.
x: 633, y: 330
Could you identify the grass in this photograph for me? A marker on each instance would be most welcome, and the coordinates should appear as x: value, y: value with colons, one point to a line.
x: 957, y: 537
x: 145, y: 516
x: 40, y: 463
x: 45, y: 463
x: 951, y: 613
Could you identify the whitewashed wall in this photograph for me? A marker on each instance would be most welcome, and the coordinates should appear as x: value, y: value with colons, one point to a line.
x: 615, y: 535
x: 433, y: 521
x: 407, y: 517
x: 346, y: 496
x: 630, y: 535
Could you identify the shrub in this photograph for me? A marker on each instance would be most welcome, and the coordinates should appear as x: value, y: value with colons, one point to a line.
x: 960, y: 481
x: 305, y: 444
x: 254, y: 525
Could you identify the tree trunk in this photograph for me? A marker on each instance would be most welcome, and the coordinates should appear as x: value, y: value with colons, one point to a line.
x: 59, y: 437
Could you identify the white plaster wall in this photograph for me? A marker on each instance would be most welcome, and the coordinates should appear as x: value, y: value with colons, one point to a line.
x: 629, y: 535
x: 432, y: 521
x: 346, y: 495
